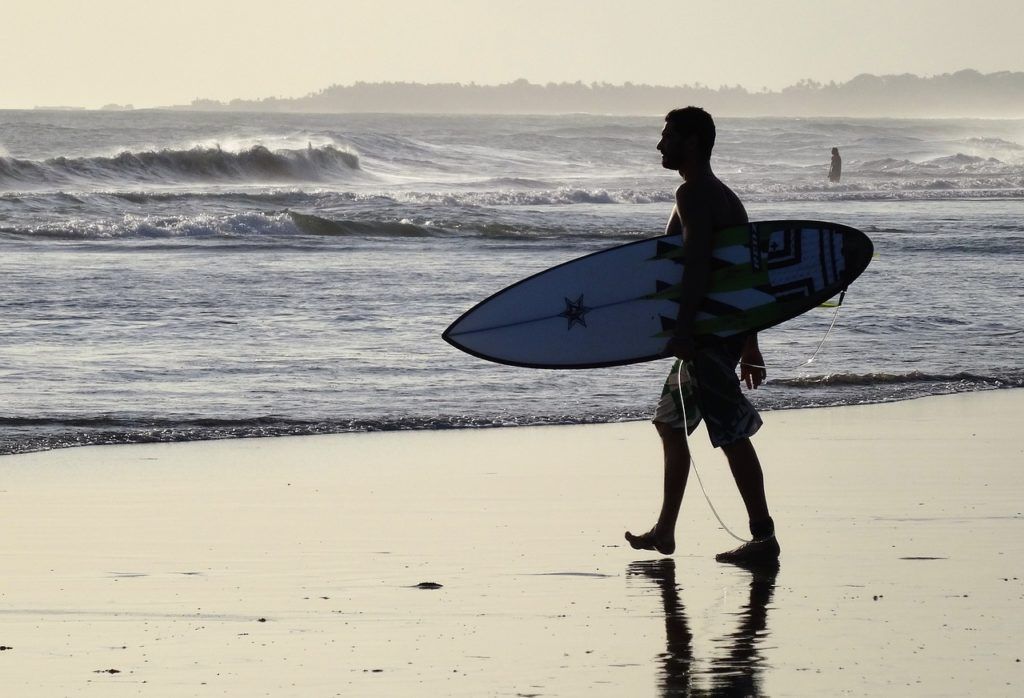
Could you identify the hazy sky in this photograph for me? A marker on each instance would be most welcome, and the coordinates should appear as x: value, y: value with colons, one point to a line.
x: 69, y: 52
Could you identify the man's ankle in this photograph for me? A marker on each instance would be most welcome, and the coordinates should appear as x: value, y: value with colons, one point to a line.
x: 764, y: 528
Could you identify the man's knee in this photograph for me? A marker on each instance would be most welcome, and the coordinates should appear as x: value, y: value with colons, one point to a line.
x: 670, y: 434
x: 738, y: 446
x: 741, y: 453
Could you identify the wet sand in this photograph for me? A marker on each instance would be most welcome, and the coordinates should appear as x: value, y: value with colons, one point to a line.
x: 293, y: 566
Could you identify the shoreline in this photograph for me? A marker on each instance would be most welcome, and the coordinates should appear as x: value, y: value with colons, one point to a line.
x: 135, y: 439
x: 307, y: 565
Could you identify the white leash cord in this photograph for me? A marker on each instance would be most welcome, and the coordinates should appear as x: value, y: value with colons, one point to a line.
x: 817, y: 350
x: 689, y: 453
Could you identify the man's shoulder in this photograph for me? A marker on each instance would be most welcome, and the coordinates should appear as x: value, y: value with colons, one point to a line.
x: 711, y: 197
x: 701, y: 192
x: 693, y: 192
x: 702, y: 187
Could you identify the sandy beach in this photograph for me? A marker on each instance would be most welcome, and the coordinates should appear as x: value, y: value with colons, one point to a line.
x: 491, y: 562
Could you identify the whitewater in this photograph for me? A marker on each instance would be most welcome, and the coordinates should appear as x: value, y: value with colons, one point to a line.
x: 176, y: 276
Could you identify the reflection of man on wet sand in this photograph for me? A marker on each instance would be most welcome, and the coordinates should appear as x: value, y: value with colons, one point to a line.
x: 735, y: 674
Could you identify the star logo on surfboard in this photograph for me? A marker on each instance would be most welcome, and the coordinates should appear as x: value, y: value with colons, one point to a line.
x: 575, y: 312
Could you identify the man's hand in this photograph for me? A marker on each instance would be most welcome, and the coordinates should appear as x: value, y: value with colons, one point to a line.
x: 681, y: 347
x: 752, y: 371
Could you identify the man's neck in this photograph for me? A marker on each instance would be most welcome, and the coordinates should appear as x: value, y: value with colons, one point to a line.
x: 697, y: 172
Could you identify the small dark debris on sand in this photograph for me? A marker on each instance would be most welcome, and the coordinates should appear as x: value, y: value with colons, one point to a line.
x: 107, y: 671
x: 428, y: 585
x: 4, y: 648
x: 923, y: 557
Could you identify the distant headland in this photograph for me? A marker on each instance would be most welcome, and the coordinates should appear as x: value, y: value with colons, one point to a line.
x: 966, y: 93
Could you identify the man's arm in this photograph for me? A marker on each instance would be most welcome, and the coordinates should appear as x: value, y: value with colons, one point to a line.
x: 695, y: 214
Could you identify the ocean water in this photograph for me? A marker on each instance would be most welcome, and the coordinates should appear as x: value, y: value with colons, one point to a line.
x: 178, y: 276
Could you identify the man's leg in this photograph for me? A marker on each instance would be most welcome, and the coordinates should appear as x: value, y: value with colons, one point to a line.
x: 677, y: 468
x: 746, y: 471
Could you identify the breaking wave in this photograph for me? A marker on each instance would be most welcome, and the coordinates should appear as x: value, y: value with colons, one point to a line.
x: 948, y: 165
x: 256, y: 164
x: 287, y: 226
x: 964, y: 381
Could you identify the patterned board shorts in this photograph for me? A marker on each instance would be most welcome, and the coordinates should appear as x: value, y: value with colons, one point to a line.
x: 712, y: 393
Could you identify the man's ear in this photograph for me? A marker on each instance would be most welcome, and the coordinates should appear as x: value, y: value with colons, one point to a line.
x: 691, y: 143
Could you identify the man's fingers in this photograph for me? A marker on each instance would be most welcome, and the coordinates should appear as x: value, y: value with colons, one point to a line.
x: 752, y: 376
x: 759, y: 375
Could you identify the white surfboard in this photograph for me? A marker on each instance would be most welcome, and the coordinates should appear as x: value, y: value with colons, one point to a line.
x: 618, y: 306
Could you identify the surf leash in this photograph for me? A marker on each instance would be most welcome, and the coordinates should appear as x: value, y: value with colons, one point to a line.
x: 817, y: 350
x: 689, y: 451
x: 835, y: 316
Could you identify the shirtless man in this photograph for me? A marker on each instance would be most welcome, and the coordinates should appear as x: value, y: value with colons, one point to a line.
x: 704, y: 204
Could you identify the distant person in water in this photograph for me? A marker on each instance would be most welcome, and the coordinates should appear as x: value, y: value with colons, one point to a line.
x: 835, y: 169
x: 703, y: 205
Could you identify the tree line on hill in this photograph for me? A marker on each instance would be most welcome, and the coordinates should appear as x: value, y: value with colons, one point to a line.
x: 966, y: 93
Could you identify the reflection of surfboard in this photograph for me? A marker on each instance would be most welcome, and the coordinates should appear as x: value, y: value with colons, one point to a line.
x: 618, y: 306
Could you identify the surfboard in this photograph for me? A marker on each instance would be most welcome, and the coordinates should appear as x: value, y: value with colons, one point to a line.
x: 619, y: 306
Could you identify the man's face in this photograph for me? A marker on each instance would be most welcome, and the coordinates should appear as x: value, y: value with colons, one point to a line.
x: 673, y: 147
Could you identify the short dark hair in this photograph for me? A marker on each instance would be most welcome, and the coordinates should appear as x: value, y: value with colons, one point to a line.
x: 696, y: 121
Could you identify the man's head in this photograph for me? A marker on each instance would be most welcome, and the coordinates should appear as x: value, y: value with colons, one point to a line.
x: 689, y: 134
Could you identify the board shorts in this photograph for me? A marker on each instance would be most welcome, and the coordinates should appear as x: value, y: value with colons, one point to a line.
x: 713, y: 394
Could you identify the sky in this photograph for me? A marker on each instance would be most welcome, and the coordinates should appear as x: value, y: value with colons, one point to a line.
x: 69, y: 52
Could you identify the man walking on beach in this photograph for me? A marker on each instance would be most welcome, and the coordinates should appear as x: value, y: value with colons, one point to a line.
x: 703, y: 205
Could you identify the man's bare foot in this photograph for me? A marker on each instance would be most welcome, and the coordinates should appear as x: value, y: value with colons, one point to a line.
x: 652, y: 540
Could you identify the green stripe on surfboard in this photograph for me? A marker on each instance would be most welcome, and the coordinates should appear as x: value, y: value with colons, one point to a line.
x: 767, y: 313
x: 740, y: 321
x: 730, y: 237
x: 736, y: 278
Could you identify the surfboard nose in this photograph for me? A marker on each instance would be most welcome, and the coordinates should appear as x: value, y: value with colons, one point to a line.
x: 858, y: 250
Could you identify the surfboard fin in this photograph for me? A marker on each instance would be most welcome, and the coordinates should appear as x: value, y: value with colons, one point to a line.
x: 834, y: 304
